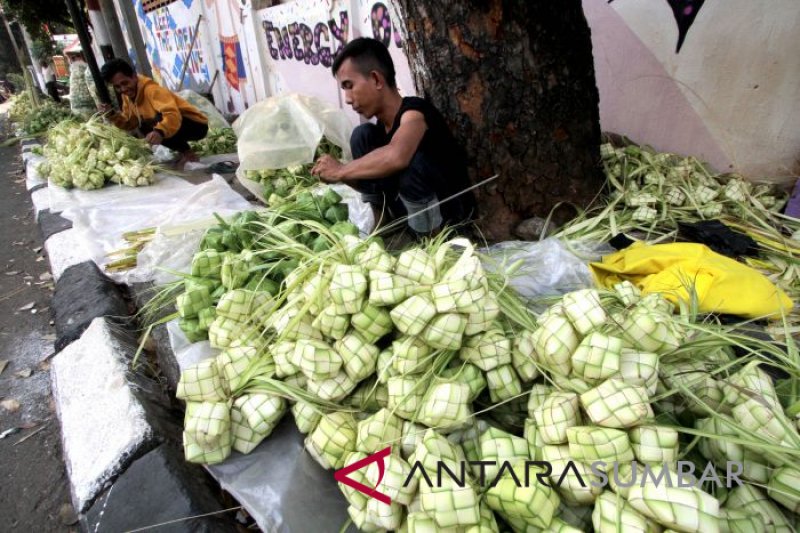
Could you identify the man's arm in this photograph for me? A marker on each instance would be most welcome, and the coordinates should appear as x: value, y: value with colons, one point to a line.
x: 125, y: 119
x: 381, y: 162
x: 162, y: 101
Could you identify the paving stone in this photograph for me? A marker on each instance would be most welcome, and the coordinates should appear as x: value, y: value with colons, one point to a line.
x: 82, y: 294
x: 65, y: 249
x: 41, y: 200
x: 109, y: 415
x: 160, y: 487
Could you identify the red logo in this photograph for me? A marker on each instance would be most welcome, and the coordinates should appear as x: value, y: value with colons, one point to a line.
x: 341, y: 475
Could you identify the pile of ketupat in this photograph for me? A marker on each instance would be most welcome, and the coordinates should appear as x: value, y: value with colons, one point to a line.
x: 284, y: 184
x: 21, y: 106
x: 40, y: 120
x: 217, y: 141
x: 653, y: 192
x: 87, y: 155
x: 234, y: 257
x: 428, y: 353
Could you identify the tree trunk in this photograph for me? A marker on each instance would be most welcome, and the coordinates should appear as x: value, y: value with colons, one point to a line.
x: 515, y: 79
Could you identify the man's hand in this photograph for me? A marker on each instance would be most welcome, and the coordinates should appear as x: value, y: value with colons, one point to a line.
x: 328, y: 169
x: 154, y: 137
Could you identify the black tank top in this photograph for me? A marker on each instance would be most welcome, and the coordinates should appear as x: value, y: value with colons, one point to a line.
x: 439, y: 146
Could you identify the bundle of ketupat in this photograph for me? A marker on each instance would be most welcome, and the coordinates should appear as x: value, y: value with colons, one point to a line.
x: 217, y: 141
x: 373, y: 350
x: 233, y: 255
x: 87, y: 155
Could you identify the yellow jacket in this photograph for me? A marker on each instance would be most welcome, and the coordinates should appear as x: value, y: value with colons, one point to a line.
x: 152, y: 99
x: 722, y: 284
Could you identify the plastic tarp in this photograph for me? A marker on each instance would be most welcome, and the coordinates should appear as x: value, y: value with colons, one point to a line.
x: 180, y: 214
x: 33, y: 178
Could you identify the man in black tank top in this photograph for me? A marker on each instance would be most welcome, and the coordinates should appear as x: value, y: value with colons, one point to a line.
x: 407, y: 163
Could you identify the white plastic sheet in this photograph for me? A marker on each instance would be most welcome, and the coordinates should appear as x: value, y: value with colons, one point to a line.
x: 179, y: 214
x: 286, y: 130
x: 62, y: 199
x: 188, y: 353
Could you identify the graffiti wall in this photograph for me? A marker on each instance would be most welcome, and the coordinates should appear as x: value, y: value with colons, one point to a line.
x: 168, y: 33
x: 227, y: 20
x: 300, y: 41
x: 713, y: 79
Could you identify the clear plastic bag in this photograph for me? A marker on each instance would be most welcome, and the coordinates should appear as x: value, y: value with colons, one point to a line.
x: 548, y: 267
x: 215, y: 118
x: 286, y: 130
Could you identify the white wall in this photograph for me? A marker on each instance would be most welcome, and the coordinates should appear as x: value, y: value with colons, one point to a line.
x: 730, y: 95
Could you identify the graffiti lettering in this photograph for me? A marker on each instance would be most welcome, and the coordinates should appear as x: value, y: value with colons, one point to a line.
x: 382, y: 26
x: 163, y: 30
x: 298, y: 41
x: 183, y: 41
x: 323, y: 52
x: 684, y: 11
x: 273, y: 34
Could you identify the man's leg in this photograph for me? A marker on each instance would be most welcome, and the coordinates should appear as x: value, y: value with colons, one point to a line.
x: 417, y: 188
x: 381, y: 194
x: 190, y: 130
x: 52, y: 90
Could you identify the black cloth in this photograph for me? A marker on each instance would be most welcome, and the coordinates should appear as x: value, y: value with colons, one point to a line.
x: 190, y: 130
x: 52, y: 90
x: 719, y: 237
x: 438, y: 169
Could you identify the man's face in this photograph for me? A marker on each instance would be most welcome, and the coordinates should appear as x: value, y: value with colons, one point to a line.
x: 125, y: 84
x: 360, y: 92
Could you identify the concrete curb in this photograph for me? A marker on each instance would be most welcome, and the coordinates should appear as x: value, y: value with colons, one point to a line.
x: 121, y: 434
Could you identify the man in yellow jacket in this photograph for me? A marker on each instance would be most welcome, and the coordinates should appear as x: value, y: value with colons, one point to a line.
x: 160, y: 115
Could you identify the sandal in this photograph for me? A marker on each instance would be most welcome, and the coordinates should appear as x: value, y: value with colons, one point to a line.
x: 223, y: 167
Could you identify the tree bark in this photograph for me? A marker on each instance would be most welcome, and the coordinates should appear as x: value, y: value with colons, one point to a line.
x: 515, y: 79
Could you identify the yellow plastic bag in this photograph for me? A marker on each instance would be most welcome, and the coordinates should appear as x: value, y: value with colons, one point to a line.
x: 722, y: 284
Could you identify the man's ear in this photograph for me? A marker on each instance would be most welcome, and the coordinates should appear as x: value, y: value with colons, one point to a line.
x: 377, y: 78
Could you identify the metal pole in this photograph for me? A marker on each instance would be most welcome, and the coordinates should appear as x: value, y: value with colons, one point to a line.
x: 88, y: 53
x: 189, y: 55
x: 114, y: 29
x: 135, y: 35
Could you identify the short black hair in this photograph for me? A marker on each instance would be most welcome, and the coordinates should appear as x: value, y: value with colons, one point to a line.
x: 114, y: 67
x: 368, y: 55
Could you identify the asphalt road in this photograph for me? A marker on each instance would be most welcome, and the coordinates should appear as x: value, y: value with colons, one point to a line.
x: 34, y: 492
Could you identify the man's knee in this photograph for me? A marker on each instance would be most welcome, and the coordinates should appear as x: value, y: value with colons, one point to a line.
x: 366, y: 138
